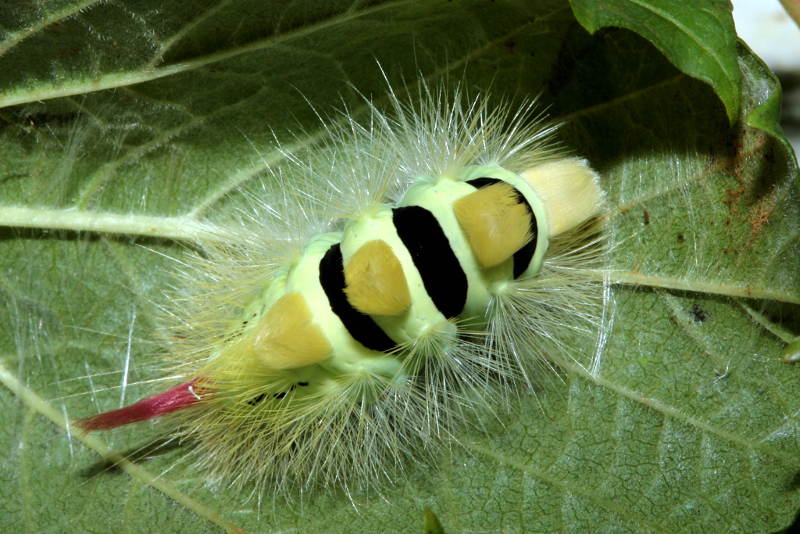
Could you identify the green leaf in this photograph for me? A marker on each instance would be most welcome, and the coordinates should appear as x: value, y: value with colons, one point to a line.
x: 698, y: 37
x: 690, y: 423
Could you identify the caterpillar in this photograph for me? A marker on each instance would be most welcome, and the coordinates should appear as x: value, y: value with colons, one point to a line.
x: 378, y: 295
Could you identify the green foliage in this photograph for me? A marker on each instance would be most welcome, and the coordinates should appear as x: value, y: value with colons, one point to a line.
x: 697, y: 37
x: 152, y: 113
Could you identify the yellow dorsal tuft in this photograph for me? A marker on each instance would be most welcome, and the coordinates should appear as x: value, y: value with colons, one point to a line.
x: 570, y: 191
x: 376, y: 284
x: 287, y: 338
x: 495, y: 223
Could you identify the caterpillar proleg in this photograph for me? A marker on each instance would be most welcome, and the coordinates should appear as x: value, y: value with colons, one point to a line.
x: 379, y: 294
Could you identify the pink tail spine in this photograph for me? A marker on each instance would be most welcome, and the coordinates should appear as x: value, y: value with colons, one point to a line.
x: 177, y: 398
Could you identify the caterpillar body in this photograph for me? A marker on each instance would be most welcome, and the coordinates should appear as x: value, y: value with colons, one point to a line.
x: 434, y: 258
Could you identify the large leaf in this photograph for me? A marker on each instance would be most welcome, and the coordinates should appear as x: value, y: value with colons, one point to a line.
x: 690, y: 423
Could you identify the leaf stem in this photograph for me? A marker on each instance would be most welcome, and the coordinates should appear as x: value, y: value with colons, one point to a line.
x: 178, y: 228
x: 38, y: 404
x: 713, y: 287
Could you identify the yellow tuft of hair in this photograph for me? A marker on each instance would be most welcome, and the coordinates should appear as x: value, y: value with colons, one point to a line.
x: 287, y: 337
x: 570, y: 191
x: 375, y: 281
x: 495, y: 222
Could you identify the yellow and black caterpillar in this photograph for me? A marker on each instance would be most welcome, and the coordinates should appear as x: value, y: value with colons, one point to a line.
x: 377, y: 294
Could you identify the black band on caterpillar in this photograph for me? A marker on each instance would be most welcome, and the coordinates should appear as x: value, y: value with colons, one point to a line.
x: 441, y: 272
x: 522, y: 257
x: 362, y: 327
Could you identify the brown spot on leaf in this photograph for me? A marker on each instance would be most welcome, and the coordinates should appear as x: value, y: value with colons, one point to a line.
x: 760, y: 215
x: 731, y: 197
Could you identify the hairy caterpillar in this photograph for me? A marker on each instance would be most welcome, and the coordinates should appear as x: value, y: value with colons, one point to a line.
x: 379, y: 294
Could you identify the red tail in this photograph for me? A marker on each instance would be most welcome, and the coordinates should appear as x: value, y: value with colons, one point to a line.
x: 174, y: 399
